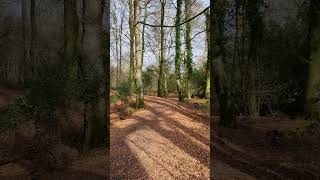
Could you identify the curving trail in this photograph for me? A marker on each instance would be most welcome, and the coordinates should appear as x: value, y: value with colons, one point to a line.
x: 164, y: 140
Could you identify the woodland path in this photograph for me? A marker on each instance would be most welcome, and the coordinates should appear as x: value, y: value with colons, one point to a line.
x: 164, y: 140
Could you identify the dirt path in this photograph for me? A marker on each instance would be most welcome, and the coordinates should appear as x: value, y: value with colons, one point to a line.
x: 164, y: 141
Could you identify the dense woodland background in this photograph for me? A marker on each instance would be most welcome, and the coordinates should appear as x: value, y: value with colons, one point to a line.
x: 251, y: 61
x: 54, y: 71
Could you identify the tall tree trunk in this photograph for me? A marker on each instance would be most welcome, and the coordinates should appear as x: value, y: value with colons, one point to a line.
x: 116, y: 37
x: 71, y: 47
x: 106, y: 88
x: 117, y: 54
x: 34, y: 34
x: 132, y: 34
x: 178, y: 50
x: 161, y: 88
x: 143, y: 29
x: 255, y: 23
x: 93, y: 73
x: 208, y: 57
x: 188, y: 47
x: 26, y: 41
x: 120, y: 41
x: 236, y: 53
x: 218, y: 61
x: 139, y: 99
x: 312, y: 92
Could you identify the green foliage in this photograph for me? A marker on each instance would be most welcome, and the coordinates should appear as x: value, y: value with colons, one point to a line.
x: 199, y: 78
x: 114, y: 99
x: 124, y: 91
x: 147, y: 79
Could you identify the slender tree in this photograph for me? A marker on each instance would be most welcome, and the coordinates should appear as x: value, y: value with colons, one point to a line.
x: 161, y: 79
x: 26, y: 40
x: 92, y: 73
x: 132, y: 34
x: 255, y: 24
x: 178, y: 50
x: 34, y: 34
x: 71, y: 47
x: 144, y: 28
x: 116, y: 34
x: 188, y: 58
x: 312, y: 92
x: 139, y: 99
x: 120, y: 41
x: 218, y: 61
x: 208, y: 57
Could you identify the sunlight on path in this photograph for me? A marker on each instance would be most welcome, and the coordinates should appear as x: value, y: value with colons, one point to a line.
x: 161, y: 158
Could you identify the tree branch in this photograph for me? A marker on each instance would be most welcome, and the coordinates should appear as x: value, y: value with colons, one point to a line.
x: 172, y: 26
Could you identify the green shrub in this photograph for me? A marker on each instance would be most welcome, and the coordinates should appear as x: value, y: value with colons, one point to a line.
x: 124, y: 91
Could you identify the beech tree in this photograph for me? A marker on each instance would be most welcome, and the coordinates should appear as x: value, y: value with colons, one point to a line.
x: 92, y: 73
x: 178, y: 50
x: 139, y: 99
x: 188, y: 57
x: 313, y: 87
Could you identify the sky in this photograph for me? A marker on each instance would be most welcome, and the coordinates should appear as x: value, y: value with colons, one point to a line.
x: 198, y: 43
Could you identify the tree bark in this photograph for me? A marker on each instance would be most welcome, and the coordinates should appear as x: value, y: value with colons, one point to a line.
x: 26, y: 41
x: 71, y: 49
x: 255, y: 24
x: 34, y: 34
x: 188, y: 47
x: 218, y: 61
x: 132, y: 34
x: 161, y: 85
x: 312, y: 92
x: 120, y: 41
x: 208, y: 57
x: 93, y: 73
x: 143, y: 30
x: 139, y: 98
x: 178, y: 50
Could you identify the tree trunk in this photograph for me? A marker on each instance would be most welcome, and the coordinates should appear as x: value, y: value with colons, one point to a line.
x: 93, y: 74
x: 188, y: 47
x: 132, y: 34
x: 139, y: 98
x: 34, y: 34
x: 218, y: 61
x: 161, y: 88
x: 120, y: 41
x: 208, y: 57
x: 312, y: 92
x: 255, y: 23
x: 178, y: 50
x: 71, y: 49
x: 26, y: 41
x: 117, y: 54
x: 143, y: 30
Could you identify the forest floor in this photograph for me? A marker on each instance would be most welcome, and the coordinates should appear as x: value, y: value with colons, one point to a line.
x: 171, y: 140
x: 22, y: 158
x: 166, y: 140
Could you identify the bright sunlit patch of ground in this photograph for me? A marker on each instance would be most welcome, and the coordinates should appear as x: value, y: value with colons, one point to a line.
x: 165, y: 126
x: 124, y: 123
x: 161, y: 158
